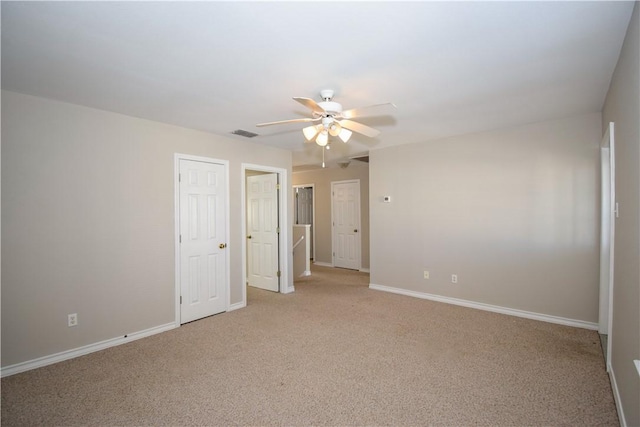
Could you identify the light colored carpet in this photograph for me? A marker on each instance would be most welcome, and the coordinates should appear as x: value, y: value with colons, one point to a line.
x: 332, y: 353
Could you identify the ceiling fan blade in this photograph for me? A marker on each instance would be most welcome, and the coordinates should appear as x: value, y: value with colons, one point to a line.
x: 310, y: 104
x: 303, y: 120
x: 361, y: 111
x: 359, y: 127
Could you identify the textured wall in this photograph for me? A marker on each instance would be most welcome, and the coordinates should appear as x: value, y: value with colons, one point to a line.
x: 622, y: 107
x: 514, y: 213
x: 88, y: 222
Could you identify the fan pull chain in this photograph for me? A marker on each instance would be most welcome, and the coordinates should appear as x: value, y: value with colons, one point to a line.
x: 323, y: 157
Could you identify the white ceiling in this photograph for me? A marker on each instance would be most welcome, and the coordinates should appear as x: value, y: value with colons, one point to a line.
x: 450, y: 67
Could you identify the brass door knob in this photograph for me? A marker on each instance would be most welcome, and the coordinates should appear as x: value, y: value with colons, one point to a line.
x: 222, y: 245
x: 355, y: 231
x: 249, y: 236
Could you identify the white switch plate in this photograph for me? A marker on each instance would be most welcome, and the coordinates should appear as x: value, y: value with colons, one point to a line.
x: 426, y: 274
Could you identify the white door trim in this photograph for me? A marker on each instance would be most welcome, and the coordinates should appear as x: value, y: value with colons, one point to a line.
x: 176, y: 203
x: 607, y: 236
x: 313, y: 214
x: 284, y: 251
x: 359, y: 238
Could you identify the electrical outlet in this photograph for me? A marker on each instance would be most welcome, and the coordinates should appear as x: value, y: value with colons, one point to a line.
x: 454, y: 278
x: 72, y: 319
x: 426, y: 274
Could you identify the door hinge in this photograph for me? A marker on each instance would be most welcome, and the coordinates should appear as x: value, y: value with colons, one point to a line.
x: 277, y: 186
x: 180, y: 299
x: 278, y: 273
x: 278, y: 230
x: 180, y: 239
x: 179, y: 177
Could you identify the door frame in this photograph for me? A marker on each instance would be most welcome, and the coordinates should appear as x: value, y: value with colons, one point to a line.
x: 607, y: 236
x: 285, y: 254
x: 359, y: 238
x: 176, y: 203
x: 313, y: 214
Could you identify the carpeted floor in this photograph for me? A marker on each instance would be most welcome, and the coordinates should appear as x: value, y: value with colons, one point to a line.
x: 332, y: 353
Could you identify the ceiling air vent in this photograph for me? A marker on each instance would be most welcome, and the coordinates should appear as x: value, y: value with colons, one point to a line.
x: 244, y: 133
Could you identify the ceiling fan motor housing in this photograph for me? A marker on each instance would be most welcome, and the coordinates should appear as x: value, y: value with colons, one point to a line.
x: 331, y: 108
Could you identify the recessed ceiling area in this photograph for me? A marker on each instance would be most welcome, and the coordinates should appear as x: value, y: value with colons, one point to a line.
x: 450, y: 67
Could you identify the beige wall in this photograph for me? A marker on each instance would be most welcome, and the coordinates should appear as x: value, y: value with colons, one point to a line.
x: 514, y: 213
x: 622, y: 107
x: 88, y: 222
x: 322, y: 178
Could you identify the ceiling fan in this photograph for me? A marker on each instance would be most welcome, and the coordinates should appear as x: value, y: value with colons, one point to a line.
x: 331, y: 119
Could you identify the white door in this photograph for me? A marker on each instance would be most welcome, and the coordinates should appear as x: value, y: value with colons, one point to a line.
x: 345, y: 214
x: 262, y: 231
x: 203, y: 276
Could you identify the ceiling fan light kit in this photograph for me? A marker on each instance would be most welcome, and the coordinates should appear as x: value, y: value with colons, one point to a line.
x: 323, y: 138
x: 344, y: 135
x: 311, y: 131
x: 333, y: 120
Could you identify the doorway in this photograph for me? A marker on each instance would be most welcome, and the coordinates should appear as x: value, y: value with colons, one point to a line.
x: 263, y: 266
x: 304, y: 211
x: 345, y: 220
x: 281, y: 253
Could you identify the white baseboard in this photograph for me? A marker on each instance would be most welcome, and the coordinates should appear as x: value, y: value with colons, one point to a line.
x: 236, y: 306
x: 489, y: 307
x: 323, y: 264
x: 305, y: 273
x: 616, y: 398
x: 288, y: 290
x: 81, y: 351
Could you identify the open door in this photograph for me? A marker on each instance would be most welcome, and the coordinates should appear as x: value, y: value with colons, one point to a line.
x: 262, y: 232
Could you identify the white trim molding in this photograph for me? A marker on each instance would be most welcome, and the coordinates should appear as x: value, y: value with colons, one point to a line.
x: 323, y: 264
x: 81, y: 351
x: 616, y: 398
x: 488, y: 307
x: 237, y: 305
